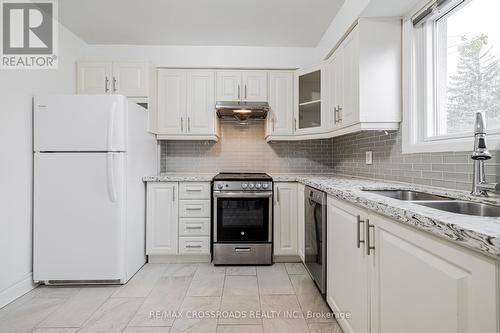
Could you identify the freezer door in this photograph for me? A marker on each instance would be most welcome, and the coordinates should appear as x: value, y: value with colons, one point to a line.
x: 79, y: 228
x: 69, y: 123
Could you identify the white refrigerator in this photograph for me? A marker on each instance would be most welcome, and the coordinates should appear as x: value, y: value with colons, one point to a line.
x: 90, y: 154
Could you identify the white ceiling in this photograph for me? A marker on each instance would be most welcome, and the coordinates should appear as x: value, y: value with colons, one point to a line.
x: 298, y: 23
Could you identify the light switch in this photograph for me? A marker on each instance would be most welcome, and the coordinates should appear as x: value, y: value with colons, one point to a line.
x: 369, y: 157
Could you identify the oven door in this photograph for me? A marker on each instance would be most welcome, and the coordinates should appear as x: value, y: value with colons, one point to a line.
x: 242, y: 217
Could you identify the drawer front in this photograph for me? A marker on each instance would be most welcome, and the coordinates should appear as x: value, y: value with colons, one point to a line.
x: 194, y: 245
x: 194, y: 227
x: 194, y: 208
x: 193, y: 190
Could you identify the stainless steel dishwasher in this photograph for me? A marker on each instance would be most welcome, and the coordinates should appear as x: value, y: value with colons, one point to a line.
x: 315, y: 236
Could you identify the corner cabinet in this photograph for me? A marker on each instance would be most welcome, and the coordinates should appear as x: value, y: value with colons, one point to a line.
x: 130, y: 79
x: 285, y: 219
x: 185, y: 107
x: 392, y: 278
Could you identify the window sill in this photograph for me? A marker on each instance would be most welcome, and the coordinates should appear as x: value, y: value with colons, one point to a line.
x: 455, y: 144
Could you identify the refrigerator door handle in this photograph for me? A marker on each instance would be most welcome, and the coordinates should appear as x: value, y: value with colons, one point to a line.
x: 111, y: 126
x: 111, y: 177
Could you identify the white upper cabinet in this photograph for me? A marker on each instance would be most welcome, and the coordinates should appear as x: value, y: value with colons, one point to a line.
x: 364, y: 78
x: 254, y: 86
x: 171, y: 101
x: 310, y: 113
x: 130, y: 79
x: 94, y: 77
x: 201, y: 116
x: 280, y: 118
x: 186, y: 105
x: 244, y: 86
x: 228, y: 86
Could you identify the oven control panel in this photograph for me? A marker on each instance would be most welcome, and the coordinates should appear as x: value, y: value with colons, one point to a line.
x: 243, y: 186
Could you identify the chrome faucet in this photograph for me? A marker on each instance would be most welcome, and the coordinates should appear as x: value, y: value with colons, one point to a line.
x: 480, y: 154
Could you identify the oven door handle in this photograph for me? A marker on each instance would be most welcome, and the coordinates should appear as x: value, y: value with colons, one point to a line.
x: 266, y: 194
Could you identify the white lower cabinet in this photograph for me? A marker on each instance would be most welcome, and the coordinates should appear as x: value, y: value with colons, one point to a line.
x: 285, y: 219
x: 177, y: 223
x: 194, y: 245
x: 408, y: 281
x: 450, y: 289
x: 301, y: 221
x: 162, y: 215
x: 347, y: 275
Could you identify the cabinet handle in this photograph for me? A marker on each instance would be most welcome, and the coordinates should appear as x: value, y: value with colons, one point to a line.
x: 193, y: 208
x: 340, y: 113
x: 193, y: 246
x: 358, y: 234
x: 238, y: 91
x: 245, y: 91
x: 189, y: 124
x: 369, y: 247
x: 173, y: 194
x: 182, y: 124
x: 295, y: 123
x: 106, y: 84
x: 242, y: 249
x: 277, y: 195
x: 193, y: 228
x: 335, y: 115
x: 114, y: 84
x: 273, y: 120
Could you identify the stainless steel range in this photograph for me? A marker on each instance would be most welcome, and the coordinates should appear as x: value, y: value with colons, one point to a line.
x: 243, y: 219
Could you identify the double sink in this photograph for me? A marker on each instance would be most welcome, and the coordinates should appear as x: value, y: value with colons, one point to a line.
x: 441, y: 202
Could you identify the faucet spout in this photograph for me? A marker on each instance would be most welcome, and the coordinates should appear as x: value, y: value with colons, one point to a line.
x: 480, y: 154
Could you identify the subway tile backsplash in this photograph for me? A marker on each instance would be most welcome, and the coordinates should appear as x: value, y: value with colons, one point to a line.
x: 450, y: 170
x: 243, y: 148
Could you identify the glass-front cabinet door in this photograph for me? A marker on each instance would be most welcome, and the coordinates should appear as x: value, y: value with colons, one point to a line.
x: 309, y: 118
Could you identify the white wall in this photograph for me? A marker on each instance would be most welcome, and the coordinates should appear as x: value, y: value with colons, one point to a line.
x: 205, y: 56
x: 17, y: 88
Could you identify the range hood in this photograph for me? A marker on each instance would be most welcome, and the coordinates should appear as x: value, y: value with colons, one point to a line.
x: 242, y: 111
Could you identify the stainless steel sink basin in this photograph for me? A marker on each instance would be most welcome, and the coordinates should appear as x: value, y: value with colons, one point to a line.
x: 407, y: 195
x: 464, y: 207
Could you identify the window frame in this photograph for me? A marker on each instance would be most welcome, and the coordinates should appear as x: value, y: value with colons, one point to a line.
x: 420, y: 86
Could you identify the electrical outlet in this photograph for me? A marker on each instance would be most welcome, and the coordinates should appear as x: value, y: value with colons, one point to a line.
x: 369, y: 157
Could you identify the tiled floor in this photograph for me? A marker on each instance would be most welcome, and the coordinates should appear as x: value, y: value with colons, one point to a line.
x: 192, y: 298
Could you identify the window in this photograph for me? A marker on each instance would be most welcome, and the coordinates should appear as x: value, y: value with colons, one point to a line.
x: 452, y: 70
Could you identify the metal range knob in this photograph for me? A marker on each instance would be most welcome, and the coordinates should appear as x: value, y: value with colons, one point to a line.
x: 265, y: 186
x: 258, y: 185
x: 251, y: 185
x: 244, y: 185
x: 220, y: 186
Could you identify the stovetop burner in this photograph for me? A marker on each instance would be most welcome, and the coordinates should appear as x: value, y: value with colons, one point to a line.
x: 243, y: 176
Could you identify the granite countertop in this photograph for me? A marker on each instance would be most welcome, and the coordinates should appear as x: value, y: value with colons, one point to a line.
x: 180, y: 177
x: 478, y: 233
